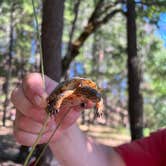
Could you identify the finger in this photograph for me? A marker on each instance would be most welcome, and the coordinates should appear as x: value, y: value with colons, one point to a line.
x: 28, y: 139
x: 34, y: 89
x: 28, y: 125
x: 26, y: 107
x: 68, y: 116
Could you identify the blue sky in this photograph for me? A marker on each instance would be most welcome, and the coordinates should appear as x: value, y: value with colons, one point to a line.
x: 162, y: 27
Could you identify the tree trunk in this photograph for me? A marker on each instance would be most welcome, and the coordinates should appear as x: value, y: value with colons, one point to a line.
x: 135, y: 100
x: 9, y: 63
x: 52, y: 27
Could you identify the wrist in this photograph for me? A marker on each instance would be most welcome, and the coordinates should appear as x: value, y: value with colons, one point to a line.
x: 63, y: 136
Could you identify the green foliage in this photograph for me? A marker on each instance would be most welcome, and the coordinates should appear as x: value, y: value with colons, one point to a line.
x: 23, y: 32
x: 103, y: 55
x: 159, y: 88
x: 151, y: 9
x: 111, y: 40
x: 155, y: 95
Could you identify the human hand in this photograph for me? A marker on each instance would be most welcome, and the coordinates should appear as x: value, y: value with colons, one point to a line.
x: 30, y: 101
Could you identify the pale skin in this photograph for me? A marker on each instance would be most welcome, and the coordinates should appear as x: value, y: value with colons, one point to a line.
x: 69, y: 144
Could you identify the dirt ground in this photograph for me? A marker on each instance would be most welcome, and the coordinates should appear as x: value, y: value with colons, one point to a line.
x: 104, y: 134
x: 8, y: 146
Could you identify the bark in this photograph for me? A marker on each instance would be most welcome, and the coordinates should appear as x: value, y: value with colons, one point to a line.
x: 9, y: 64
x: 52, y: 27
x: 91, y: 27
x: 135, y: 100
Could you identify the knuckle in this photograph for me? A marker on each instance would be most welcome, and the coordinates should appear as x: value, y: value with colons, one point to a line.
x: 18, y: 135
x: 51, y: 126
x: 27, y: 77
x: 20, y: 138
x: 14, y: 95
x: 27, y: 84
x: 27, y: 81
x: 32, y: 83
x: 45, y: 138
x: 21, y: 123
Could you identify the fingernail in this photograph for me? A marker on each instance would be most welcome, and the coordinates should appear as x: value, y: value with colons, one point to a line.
x: 41, y: 100
x: 44, y: 95
x: 38, y: 100
x: 44, y: 99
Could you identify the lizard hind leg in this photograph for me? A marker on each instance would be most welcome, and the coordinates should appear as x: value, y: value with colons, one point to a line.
x: 99, y: 108
x: 98, y: 113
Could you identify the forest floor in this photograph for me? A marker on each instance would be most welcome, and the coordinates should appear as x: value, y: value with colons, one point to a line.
x: 104, y: 134
x: 8, y: 146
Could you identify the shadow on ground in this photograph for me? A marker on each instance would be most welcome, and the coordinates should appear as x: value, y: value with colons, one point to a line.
x: 8, y: 148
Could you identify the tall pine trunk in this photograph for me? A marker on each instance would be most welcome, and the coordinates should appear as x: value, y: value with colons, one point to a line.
x: 52, y: 28
x: 135, y: 100
x: 9, y: 64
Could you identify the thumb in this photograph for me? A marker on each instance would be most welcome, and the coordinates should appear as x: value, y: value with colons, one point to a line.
x: 33, y: 88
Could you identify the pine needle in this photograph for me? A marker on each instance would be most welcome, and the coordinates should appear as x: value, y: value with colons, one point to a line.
x: 36, y: 141
x: 43, y: 78
x: 39, y: 38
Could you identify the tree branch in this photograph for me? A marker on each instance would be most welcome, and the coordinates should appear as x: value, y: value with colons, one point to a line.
x: 76, y: 9
x: 110, y: 5
x: 88, y: 30
x: 96, y: 10
x: 109, y: 16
